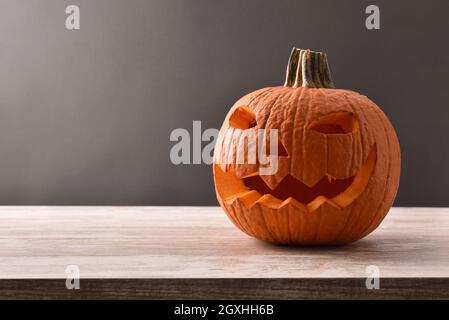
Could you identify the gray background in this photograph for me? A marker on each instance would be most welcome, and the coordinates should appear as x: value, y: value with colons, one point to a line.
x: 85, y: 116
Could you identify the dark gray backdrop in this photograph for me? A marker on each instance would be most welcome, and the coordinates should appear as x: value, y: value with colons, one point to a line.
x: 85, y: 116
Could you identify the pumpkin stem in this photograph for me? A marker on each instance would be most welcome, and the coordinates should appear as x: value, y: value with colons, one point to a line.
x: 308, y: 69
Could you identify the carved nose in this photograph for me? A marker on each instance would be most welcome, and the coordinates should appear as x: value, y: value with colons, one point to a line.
x: 309, y: 158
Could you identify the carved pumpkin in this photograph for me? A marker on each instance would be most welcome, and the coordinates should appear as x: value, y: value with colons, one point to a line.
x: 338, y: 160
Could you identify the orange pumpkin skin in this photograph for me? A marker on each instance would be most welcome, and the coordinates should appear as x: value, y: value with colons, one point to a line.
x: 296, y: 205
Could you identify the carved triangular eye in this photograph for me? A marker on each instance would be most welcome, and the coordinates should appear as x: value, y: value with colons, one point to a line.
x: 336, y: 122
x: 242, y: 118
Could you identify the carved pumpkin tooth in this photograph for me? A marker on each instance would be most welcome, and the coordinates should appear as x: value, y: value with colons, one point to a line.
x: 322, y: 133
x: 293, y: 202
x: 249, y: 198
x: 269, y: 201
x: 318, y: 202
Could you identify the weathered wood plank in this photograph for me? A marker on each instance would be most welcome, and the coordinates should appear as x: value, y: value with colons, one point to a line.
x: 341, y: 288
x: 197, y: 248
x: 199, y: 242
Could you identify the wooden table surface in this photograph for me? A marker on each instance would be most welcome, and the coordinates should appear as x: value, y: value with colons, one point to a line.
x: 195, y: 252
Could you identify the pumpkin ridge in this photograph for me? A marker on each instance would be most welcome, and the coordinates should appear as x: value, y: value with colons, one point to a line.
x: 254, y: 104
x: 263, y: 92
x: 267, y: 226
x: 241, y: 216
x: 303, y: 100
x: 305, y: 154
x: 270, y: 106
x: 350, y: 207
x: 354, y: 111
x: 317, y: 229
x: 236, y: 221
x: 269, y: 109
x: 290, y: 233
x: 293, y: 146
x: 381, y: 116
x: 351, y: 103
x: 368, y: 225
x: 272, y: 119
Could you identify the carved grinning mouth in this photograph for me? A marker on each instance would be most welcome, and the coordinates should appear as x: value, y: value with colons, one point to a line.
x: 337, y: 192
x: 328, y: 187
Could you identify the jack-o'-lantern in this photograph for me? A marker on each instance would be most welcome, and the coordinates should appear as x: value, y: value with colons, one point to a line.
x: 338, y: 162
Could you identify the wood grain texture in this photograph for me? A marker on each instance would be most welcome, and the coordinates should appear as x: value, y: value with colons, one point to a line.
x: 254, y: 289
x: 168, y: 246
